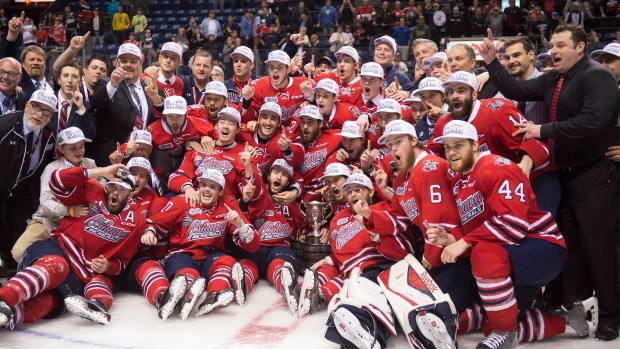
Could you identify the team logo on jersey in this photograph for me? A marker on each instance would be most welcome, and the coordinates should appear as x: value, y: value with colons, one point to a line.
x: 233, y: 96
x: 169, y: 91
x: 400, y: 190
x: 149, y: 129
x: 341, y: 221
x: 274, y: 231
x: 193, y: 211
x: 104, y: 228
x: 187, y: 220
x: 179, y: 140
x: 429, y: 165
x: 259, y: 222
x: 287, y: 112
x: 312, y: 160
x: 197, y: 159
x: 282, y: 96
x: 411, y: 208
x: 92, y: 208
x: 347, y: 91
x: 204, y: 230
x: 356, y: 112
x: 271, y: 99
x: 495, y: 105
x: 269, y: 213
x: 224, y: 166
x: 374, y: 129
x: 166, y: 146
x: 483, y: 148
x: 470, y: 207
x: 347, y: 232
x: 333, y: 234
x: 501, y: 161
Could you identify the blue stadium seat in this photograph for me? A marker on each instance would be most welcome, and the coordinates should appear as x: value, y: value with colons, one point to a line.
x: 167, y: 36
x: 240, y: 11
x: 172, y: 20
x: 176, y: 27
x: 193, y: 12
x: 112, y: 49
x: 201, y: 3
x: 160, y: 20
x: 183, y: 20
x: 165, y: 3
x: 220, y: 18
x: 181, y: 13
x: 227, y: 11
x: 176, y: 3
x: 99, y: 49
x: 204, y: 12
x: 610, y: 36
x: 157, y: 36
x: 158, y: 13
x: 164, y: 28
x: 169, y: 13
x: 599, y: 36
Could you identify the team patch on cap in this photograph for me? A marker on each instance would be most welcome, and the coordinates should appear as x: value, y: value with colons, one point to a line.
x: 281, y: 163
x: 141, y: 162
x: 217, y: 88
x: 213, y: 175
x: 358, y: 178
x: 45, y: 97
x: 129, y: 49
x: 336, y: 169
x: 272, y: 107
x: 328, y: 85
x: 175, y: 105
x: 143, y: 137
x: 372, y: 69
x: 278, y: 56
x: 71, y: 135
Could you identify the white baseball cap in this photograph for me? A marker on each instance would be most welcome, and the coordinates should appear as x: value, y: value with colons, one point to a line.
x: 272, y: 107
x: 541, y: 57
x: 386, y: 40
x: 175, y: 105
x: 217, y: 88
x: 329, y: 85
x: 281, y: 163
x: 311, y: 111
x: 278, y: 56
x: 129, y: 49
x: 336, y: 169
x: 142, y: 136
x: 611, y: 48
x: 349, y: 51
x: 129, y: 182
x: 388, y: 105
x: 358, y: 178
x: 71, y: 135
x: 413, y: 97
x: 430, y: 84
x: 45, y: 97
x: 173, y: 47
x: 140, y: 162
x: 437, y: 57
x: 212, y: 175
x: 461, y: 77
x: 372, y: 69
x: 458, y: 129
x: 351, y: 129
x: 244, y: 51
x: 396, y: 127
x: 232, y: 112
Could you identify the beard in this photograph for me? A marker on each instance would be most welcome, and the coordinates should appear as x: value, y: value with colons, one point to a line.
x: 466, y: 107
x: 406, y: 162
x: 352, y: 202
x: 311, y: 137
x: 465, y: 165
x: 119, y: 204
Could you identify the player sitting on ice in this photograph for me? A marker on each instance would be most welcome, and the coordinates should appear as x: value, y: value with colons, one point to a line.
x: 82, y: 253
x: 510, y: 238
x: 274, y: 261
x: 197, y: 243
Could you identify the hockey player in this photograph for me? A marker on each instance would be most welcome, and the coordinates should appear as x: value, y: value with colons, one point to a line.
x: 347, y: 66
x: 175, y: 128
x: 510, y: 239
x: 243, y: 64
x: 352, y: 148
x: 197, y: 243
x: 335, y: 176
x: 318, y: 145
x: 170, y: 58
x: 140, y: 144
x: 335, y: 113
x: 433, y: 97
x: 82, y: 253
x: 417, y: 107
x: 226, y: 159
x: 215, y: 99
x: 278, y: 87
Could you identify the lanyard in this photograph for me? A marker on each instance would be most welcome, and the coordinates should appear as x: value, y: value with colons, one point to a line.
x: 201, y: 97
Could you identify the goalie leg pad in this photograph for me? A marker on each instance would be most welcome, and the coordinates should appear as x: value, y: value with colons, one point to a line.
x: 355, y: 327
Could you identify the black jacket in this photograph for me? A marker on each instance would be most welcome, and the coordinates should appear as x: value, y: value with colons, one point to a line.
x: 13, y: 150
x: 10, y: 49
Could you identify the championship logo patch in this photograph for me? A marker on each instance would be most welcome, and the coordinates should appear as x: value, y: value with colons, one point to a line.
x: 197, y: 160
x: 429, y: 165
x: 187, y: 220
x: 195, y: 210
x: 495, y: 105
x: 92, y: 208
x: 501, y: 161
x: 400, y: 191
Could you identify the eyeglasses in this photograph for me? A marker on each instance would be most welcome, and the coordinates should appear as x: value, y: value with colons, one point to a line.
x: 11, y: 74
x: 38, y: 108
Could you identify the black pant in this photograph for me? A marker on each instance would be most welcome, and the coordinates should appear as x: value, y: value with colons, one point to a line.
x: 15, y: 211
x: 588, y: 218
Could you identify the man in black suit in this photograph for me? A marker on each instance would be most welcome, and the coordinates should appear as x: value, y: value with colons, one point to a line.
x: 10, y: 74
x: 27, y: 146
x: 123, y: 104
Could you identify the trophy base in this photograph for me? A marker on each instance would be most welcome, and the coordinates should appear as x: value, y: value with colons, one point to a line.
x: 309, y: 251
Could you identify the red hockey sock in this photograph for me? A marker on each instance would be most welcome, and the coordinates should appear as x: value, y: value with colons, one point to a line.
x: 251, y: 273
x: 273, y: 273
x: 36, y: 307
x: 99, y: 288
x: 331, y: 288
x: 470, y: 319
x: 153, y: 280
x: 499, y: 303
x: 219, y: 274
x: 538, y: 325
x: 44, y: 274
x: 190, y: 274
x: 326, y: 273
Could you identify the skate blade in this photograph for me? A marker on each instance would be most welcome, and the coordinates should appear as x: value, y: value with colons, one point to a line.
x: 177, y: 291
x: 197, y: 289
x: 223, y: 300
x: 286, y: 281
x: 350, y: 328
x: 305, y: 302
x: 590, y: 305
x: 79, y: 308
x: 238, y: 276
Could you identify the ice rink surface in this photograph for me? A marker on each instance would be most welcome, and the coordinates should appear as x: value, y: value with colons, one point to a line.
x: 264, y: 322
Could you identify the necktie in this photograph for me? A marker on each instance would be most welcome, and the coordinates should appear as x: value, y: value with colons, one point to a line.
x: 167, y: 82
x: 134, y: 94
x: 28, y: 156
x: 6, y: 105
x: 63, y: 119
x: 552, y: 113
x: 37, y: 85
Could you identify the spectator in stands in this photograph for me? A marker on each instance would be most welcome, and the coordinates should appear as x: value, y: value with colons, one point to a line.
x: 533, y: 17
x: 245, y: 31
x: 41, y: 36
x: 120, y: 24
x: 575, y: 16
x: 182, y: 39
x: 538, y: 28
x: 617, y: 39
x: 456, y: 24
x: 97, y: 27
x: 301, y: 9
x: 410, y: 13
x: 361, y: 33
x: 304, y: 22
x: 421, y: 30
x: 28, y: 31
x: 262, y: 29
x: 217, y: 74
x: 513, y: 19
x: 230, y: 26
x: 328, y: 18
x: 366, y: 11
x: 429, y: 12
x: 211, y: 26
x: 347, y: 32
x: 268, y: 14
x: 385, y: 20
x: 272, y: 40
x: 57, y: 33
x: 229, y: 47
x: 398, y: 63
x: 211, y: 46
x: 338, y: 39
x: 149, y: 42
x: 398, y: 11
x: 85, y: 14
x: 496, y: 20
x: 70, y: 22
x: 198, y: 40
x: 139, y: 23
x: 191, y: 25
x: 132, y: 39
x: 217, y: 3
x: 402, y: 35
x: 347, y: 12
x: 477, y: 24
x: 4, y: 23
x: 279, y: 27
x: 317, y: 49
x: 112, y: 8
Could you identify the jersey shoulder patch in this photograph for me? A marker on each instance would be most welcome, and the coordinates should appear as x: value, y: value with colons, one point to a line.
x: 501, y: 161
x: 429, y: 165
x: 495, y: 105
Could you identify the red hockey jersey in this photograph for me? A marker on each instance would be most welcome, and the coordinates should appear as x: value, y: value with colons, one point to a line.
x: 349, y: 93
x: 289, y: 98
x: 57, y: 33
x: 85, y: 238
x: 496, y: 204
x: 148, y: 203
x: 199, y: 230
x: 341, y: 112
x: 314, y: 163
x: 268, y: 153
x: 193, y: 130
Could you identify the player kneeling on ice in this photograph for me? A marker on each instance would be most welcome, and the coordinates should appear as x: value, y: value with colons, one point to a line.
x: 197, y: 243
x: 82, y: 253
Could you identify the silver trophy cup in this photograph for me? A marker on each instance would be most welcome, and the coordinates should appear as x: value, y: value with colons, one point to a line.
x: 316, y: 214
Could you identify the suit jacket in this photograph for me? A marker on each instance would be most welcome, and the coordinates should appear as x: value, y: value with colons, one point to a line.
x: 115, y: 119
x: 20, y: 103
x: 86, y: 122
x: 10, y: 49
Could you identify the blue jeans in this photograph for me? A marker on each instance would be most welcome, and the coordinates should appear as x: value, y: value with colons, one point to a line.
x: 548, y: 192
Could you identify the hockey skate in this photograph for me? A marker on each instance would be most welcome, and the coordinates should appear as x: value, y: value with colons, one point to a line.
x: 352, y: 330
x: 168, y: 300
x: 93, y: 310
x: 500, y: 340
x: 309, y: 298
x: 289, y: 286
x: 237, y: 278
x: 6, y: 314
x: 580, y: 315
x: 216, y: 300
x: 193, y: 293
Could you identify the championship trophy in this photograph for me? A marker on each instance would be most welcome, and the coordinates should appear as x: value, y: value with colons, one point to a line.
x: 308, y: 247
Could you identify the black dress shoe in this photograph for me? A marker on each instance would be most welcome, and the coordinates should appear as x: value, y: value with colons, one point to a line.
x: 6, y: 272
x: 606, y: 331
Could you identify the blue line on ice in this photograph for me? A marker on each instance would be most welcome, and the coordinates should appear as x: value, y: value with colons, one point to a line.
x: 67, y: 339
